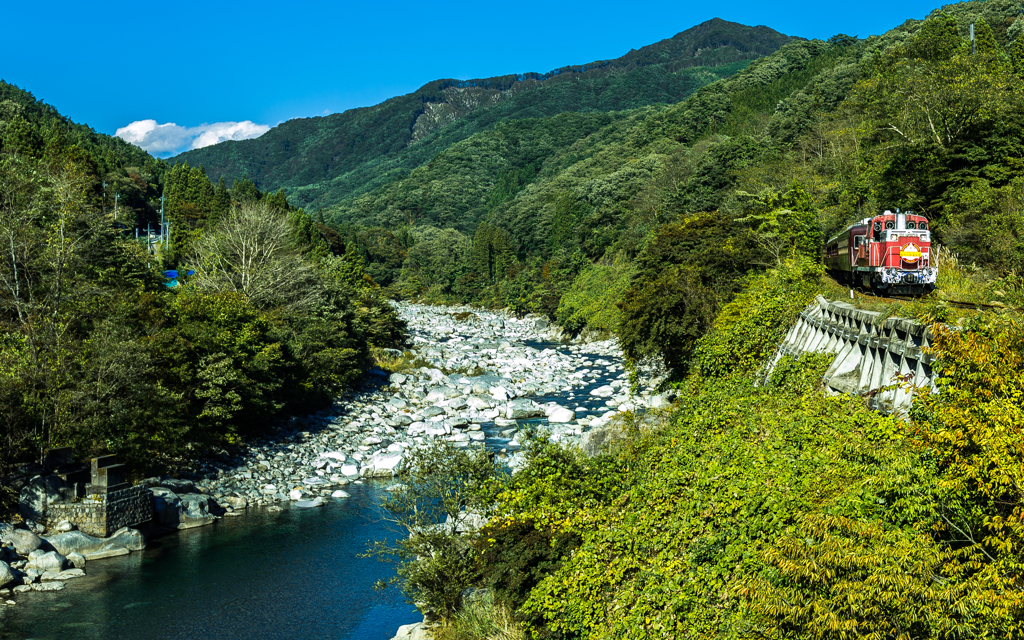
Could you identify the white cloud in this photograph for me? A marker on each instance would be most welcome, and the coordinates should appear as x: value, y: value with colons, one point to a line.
x: 169, y: 138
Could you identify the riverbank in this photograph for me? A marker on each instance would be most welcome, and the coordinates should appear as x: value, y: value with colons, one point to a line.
x: 479, y: 377
x: 473, y: 377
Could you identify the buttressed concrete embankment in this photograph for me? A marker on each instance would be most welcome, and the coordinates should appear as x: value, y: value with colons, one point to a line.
x: 881, y: 358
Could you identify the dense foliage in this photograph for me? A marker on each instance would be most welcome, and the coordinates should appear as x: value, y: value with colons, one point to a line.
x: 762, y: 507
x: 98, y: 353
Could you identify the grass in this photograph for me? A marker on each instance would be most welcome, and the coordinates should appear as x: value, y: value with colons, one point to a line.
x: 481, y: 619
x: 390, y: 361
x: 957, y: 282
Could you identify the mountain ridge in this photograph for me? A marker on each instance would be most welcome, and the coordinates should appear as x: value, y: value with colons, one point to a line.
x: 325, y: 159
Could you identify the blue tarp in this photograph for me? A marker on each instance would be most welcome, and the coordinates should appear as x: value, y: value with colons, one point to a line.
x: 171, y: 275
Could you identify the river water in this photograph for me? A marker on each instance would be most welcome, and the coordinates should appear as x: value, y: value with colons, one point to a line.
x: 289, y: 574
x: 292, y: 574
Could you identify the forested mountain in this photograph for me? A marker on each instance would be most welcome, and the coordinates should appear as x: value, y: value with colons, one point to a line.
x: 580, y: 215
x: 100, y: 353
x: 326, y: 159
x: 759, y: 505
x: 36, y: 130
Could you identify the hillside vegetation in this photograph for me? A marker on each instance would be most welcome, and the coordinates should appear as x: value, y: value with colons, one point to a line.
x: 761, y: 507
x: 686, y: 201
x: 324, y: 160
x: 758, y: 506
x: 97, y: 353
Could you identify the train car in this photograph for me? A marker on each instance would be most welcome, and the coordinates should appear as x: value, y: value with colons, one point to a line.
x: 890, y: 253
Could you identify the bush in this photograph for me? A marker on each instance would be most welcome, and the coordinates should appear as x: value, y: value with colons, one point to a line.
x: 443, y: 484
x: 750, y: 328
x: 592, y: 299
x: 663, y: 318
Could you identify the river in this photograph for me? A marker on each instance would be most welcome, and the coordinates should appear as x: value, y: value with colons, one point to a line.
x: 293, y: 573
x: 290, y: 574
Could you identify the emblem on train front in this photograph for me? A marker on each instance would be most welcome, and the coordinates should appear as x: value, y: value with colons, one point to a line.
x: 910, y: 253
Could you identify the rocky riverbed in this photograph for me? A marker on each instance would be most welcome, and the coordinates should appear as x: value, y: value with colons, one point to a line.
x: 479, y: 378
x: 475, y: 378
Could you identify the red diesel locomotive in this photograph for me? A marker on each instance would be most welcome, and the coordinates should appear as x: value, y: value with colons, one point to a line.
x: 891, y: 253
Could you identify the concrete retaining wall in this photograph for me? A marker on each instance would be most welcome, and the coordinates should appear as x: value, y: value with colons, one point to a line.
x: 127, y: 507
x: 871, y: 353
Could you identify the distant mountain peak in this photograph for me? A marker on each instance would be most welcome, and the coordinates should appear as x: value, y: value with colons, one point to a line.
x: 325, y: 159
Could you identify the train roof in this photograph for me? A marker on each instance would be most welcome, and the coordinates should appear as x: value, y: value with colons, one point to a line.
x: 868, y: 220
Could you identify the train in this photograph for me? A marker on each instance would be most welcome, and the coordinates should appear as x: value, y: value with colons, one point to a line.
x: 890, y: 253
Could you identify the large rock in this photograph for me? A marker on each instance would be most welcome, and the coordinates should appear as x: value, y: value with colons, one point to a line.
x: 179, y: 486
x: 128, y: 538
x: 235, y: 502
x: 72, y: 542
x: 166, y: 507
x: 522, y: 408
x: 196, y: 510
x: 659, y: 401
x: 183, y: 511
x: 49, y: 561
x: 76, y: 542
x: 418, y: 631
x: 24, y: 541
x: 561, y: 414
x: 606, y: 391
x: 466, y: 521
x: 385, y: 465
x: 37, y: 495
x: 602, y: 438
x: 349, y: 470
x: 6, y: 576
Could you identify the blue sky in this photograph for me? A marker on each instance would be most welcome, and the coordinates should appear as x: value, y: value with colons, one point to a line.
x: 259, y: 63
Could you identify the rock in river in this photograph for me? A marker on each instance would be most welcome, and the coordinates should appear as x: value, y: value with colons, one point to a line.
x: 561, y: 414
x: 24, y: 541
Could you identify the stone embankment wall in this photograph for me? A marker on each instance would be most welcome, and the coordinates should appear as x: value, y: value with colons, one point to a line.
x: 883, y: 359
x: 128, y: 507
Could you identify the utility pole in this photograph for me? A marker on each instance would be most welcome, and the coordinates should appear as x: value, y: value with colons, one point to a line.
x: 163, y: 230
x: 104, y: 196
x: 972, y: 38
x: 116, y: 196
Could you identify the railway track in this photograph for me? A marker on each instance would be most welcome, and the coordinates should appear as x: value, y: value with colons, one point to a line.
x: 960, y: 304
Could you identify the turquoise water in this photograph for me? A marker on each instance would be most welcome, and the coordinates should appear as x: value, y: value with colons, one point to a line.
x: 293, y: 574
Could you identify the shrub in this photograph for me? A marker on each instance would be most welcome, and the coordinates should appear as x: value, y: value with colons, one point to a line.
x: 750, y: 328
x: 664, y: 317
x: 592, y: 299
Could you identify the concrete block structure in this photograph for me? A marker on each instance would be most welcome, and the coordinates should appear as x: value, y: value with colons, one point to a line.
x: 104, y: 504
x: 881, y: 358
